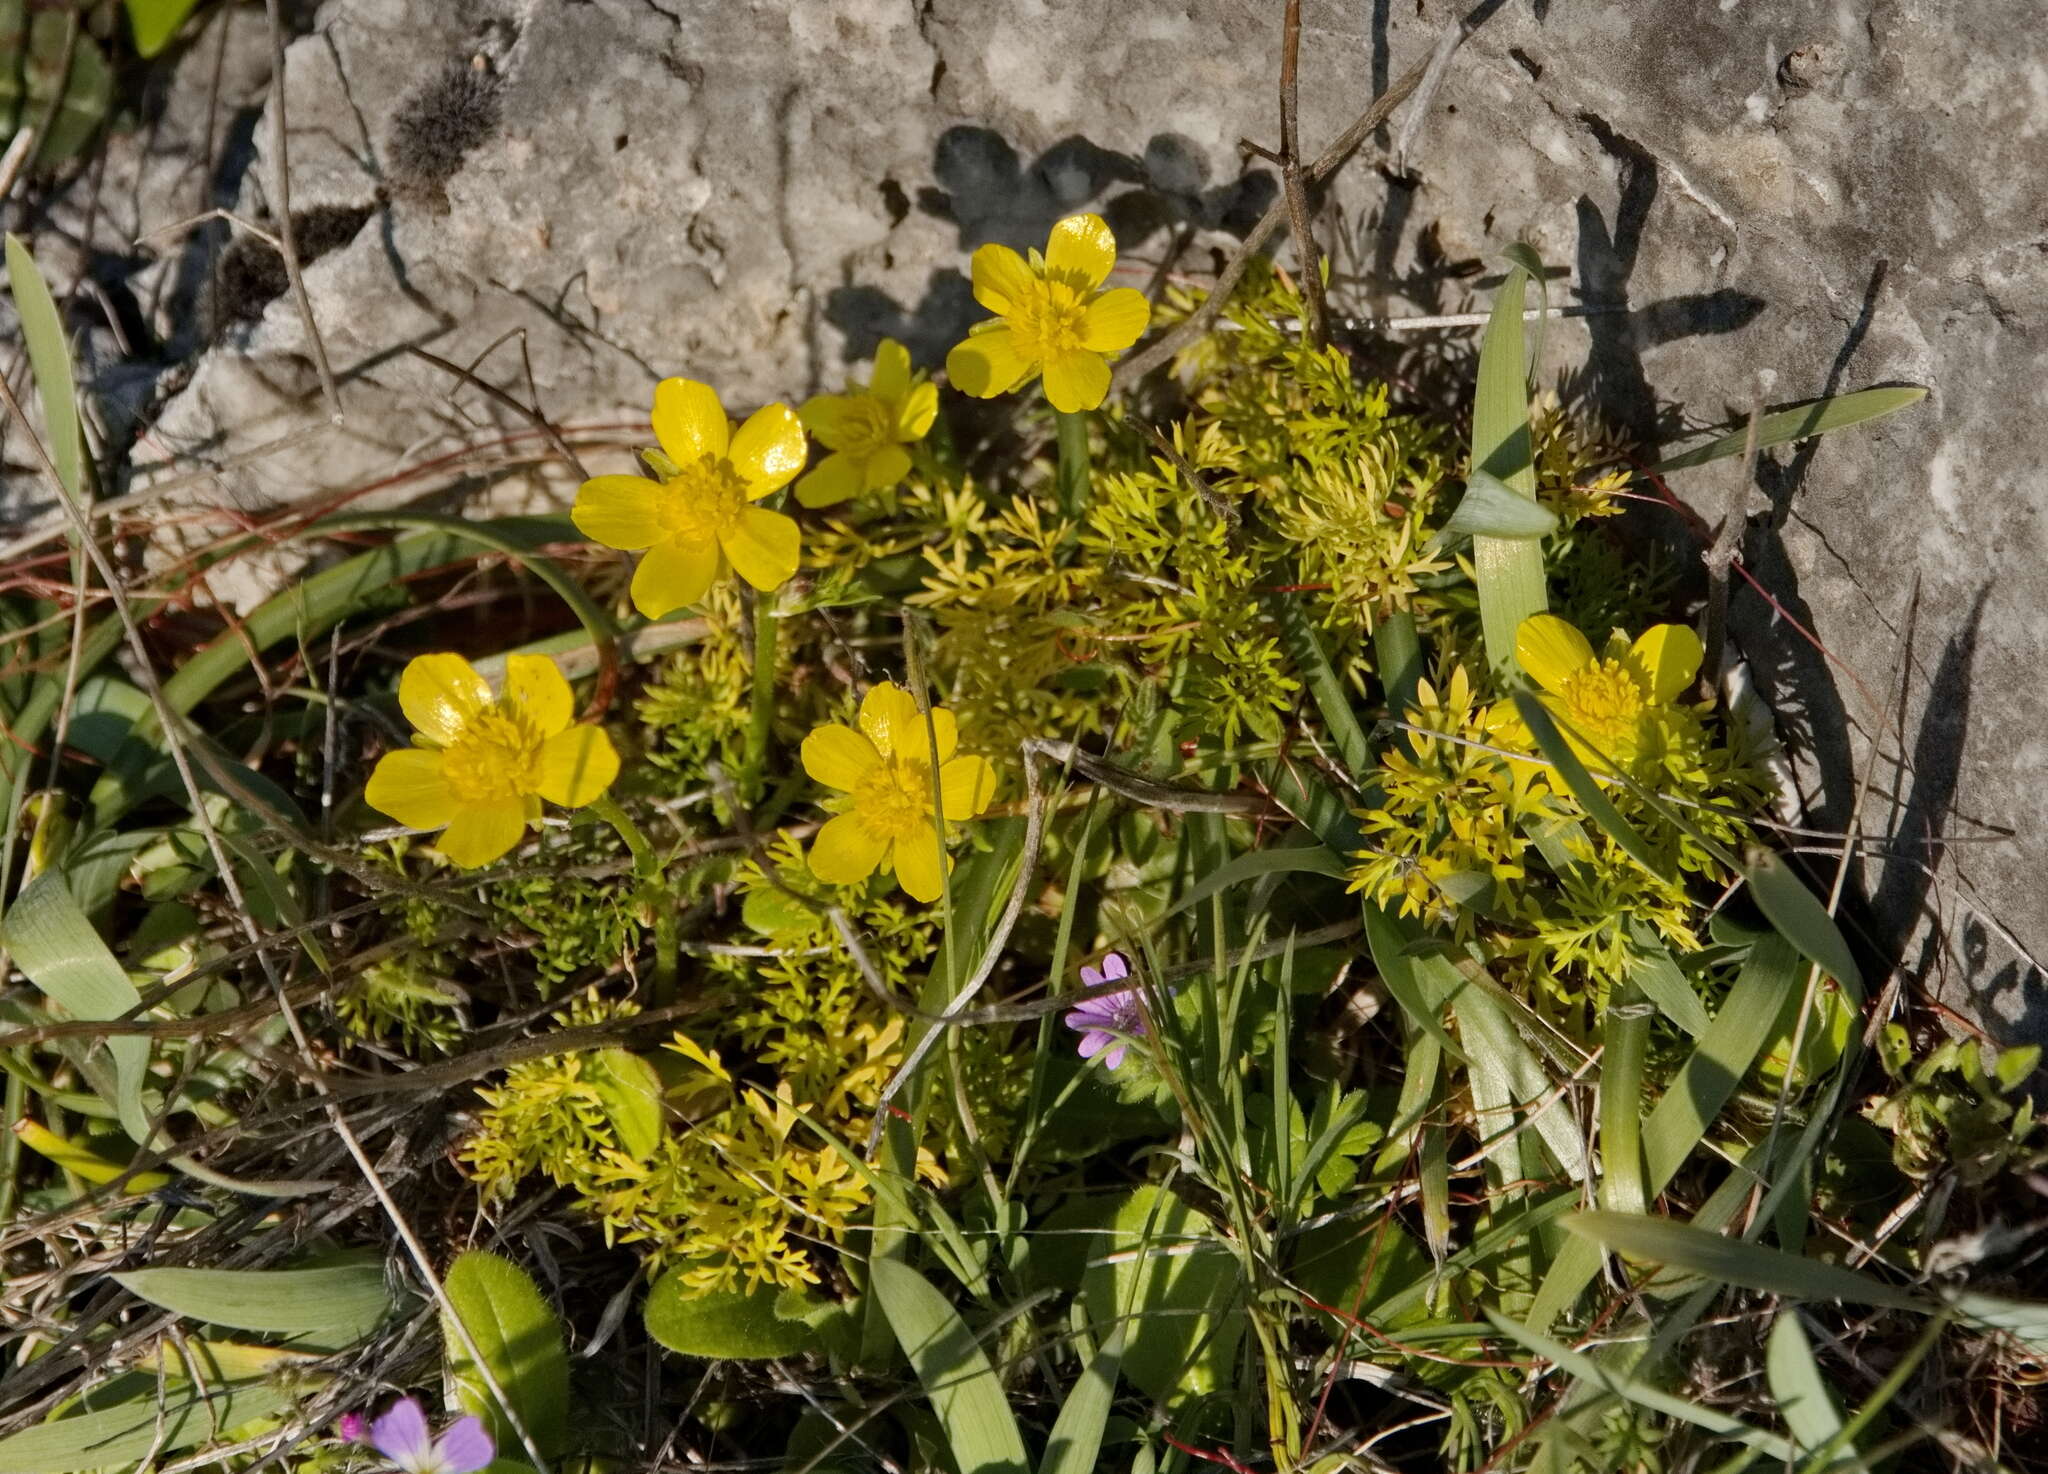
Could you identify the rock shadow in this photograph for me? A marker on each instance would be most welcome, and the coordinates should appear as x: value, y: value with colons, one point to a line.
x: 984, y: 187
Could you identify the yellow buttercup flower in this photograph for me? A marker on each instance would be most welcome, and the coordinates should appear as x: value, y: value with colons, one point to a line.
x: 866, y: 429
x: 1051, y: 318
x: 1613, y: 706
x: 483, y: 763
x: 698, y: 520
x: 886, y: 768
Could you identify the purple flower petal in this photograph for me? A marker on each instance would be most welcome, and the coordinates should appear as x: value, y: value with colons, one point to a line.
x: 1114, y: 967
x: 401, y: 1435
x: 1115, y: 1057
x: 464, y: 1447
x: 1094, y: 1042
x: 1090, y: 978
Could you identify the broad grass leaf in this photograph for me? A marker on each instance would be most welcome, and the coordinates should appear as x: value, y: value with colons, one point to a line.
x: 1737, y: 1262
x: 965, y: 1393
x: 156, y: 22
x: 1508, y: 570
x: 1492, y: 508
x: 1801, y: 919
x: 49, y: 355
x: 2026, y: 1320
x: 1800, y: 422
x: 1804, y: 1401
x: 339, y: 1304
x: 521, y: 1342
x: 1076, y: 1438
x: 630, y: 1089
x: 58, y: 950
x: 726, y: 1325
x: 1162, y: 1266
x: 119, y: 1437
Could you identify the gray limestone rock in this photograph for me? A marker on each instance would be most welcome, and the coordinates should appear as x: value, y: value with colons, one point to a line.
x: 1783, y: 197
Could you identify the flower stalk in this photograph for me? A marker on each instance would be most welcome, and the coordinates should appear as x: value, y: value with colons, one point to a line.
x: 1072, y: 480
x: 761, y: 718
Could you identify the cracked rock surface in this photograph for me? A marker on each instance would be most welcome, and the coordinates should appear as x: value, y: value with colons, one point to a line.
x: 1787, y: 198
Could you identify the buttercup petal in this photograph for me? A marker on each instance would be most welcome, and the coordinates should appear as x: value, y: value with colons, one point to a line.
x: 769, y: 450
x: 439, y: 694
x: 576, y: 766
x: 1002, y: 279
x: 481, y: 833
x: 464, y: 1447
x: 846, y: 851
x: 891, y: 378
x: 689, y: 421
x: 618, y: 511
x: 1667, y: 658
x: 674, y: 575
x: 920, y: 408
x: 831, y: 481
x: 1551, y: 651
x: 889, y: 715
x: 535, y: 684
x: 887, y: 466
x: 1115, y: 320
x: 764, y: 546
x: 839, y: 757
x: 967, y: 785
x: 920, y: 864
x: 1081, y: 250
x: 407, y: 786
x: 826, y: 417
x: 987, y: 364
x: 401, y: 1433
x: 1076, y: 380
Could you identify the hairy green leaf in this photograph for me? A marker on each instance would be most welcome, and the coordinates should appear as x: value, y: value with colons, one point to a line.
x: 520, y: 1340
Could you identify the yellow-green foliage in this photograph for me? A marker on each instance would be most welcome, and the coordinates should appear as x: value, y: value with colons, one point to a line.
x: 765, y: 1097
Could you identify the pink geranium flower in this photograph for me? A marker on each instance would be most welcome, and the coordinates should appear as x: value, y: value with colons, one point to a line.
x: 1108, y: 1021
x: 402, y: 1436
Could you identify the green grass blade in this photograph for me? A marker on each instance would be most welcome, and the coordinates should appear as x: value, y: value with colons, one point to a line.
x: 1627, y: 1031
x: 1313, y: 859
x: 1509, y: 570
x: 1492, y: 508
x: 344, y: 1302
x: 1305, y: 649
x: 58, y: 950
x: 1076, y: 1438
x: 49, y: 356
x: 1667, y: 987
x: 955, y: 1372
x: 1800, y: 422
x: 1737, y: 1262
x: 1703, y: 1085
x: 1804, y: 1401
x: 1584, y: 787
x: 520, y: 1340
x: 1801, y: 919
x: 1587, y: 1370
x: 1744, y: 1025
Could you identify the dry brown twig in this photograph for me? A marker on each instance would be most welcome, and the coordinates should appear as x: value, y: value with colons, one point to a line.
x: 1141, y: 363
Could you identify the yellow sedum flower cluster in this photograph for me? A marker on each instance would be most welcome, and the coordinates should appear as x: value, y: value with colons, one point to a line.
x: 484, y: 762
